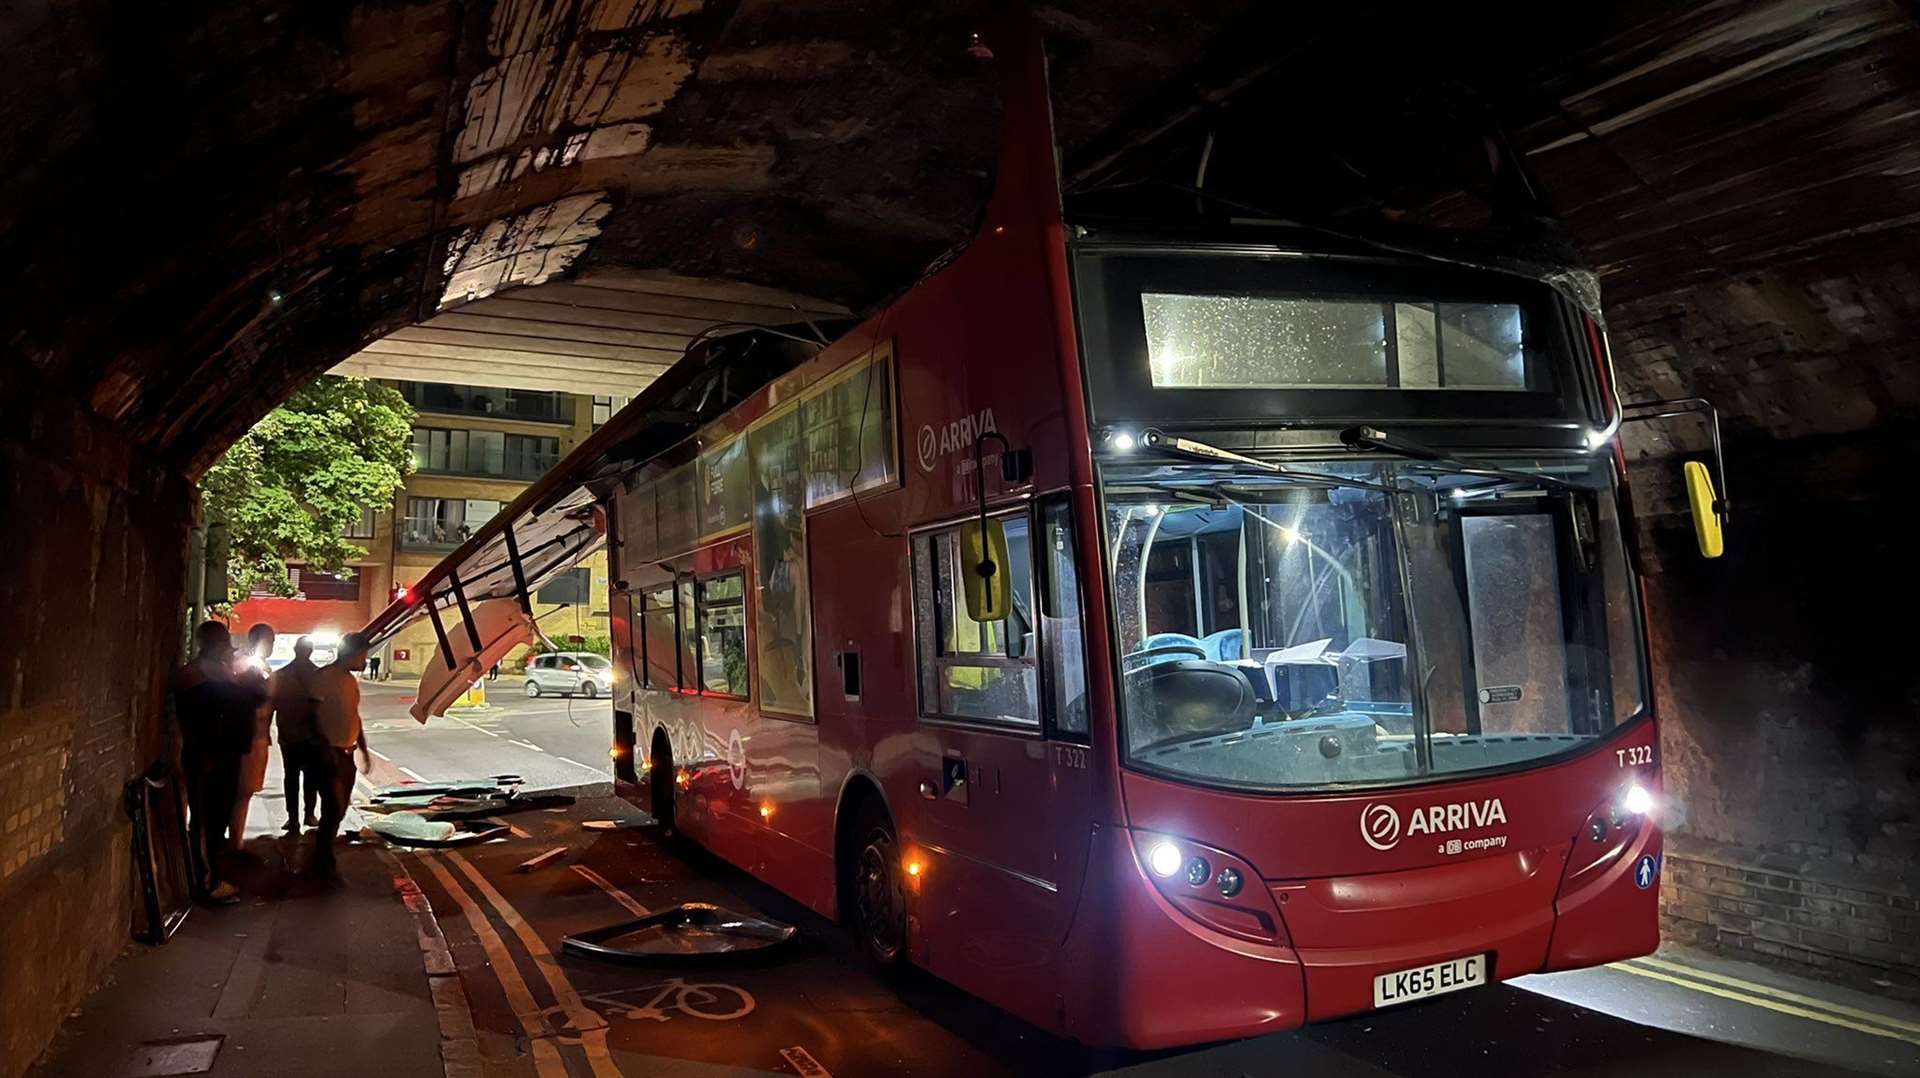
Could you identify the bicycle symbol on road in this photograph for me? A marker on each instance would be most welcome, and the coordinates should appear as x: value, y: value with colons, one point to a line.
x: 657, y: 1002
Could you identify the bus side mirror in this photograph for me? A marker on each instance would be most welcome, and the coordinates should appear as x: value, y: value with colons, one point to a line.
x: 1710, y: 507
x: 983, y: 570
x: 1705, y: 506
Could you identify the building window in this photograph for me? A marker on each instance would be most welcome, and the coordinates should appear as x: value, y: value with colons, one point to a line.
x: 444, y: 523
x: 971, y: 669
x: 361, y: 528
x: 571, y: 588
x: 484, y: 452
x: 539, y: 407
x: 605, y: 408
x: 723, y: 635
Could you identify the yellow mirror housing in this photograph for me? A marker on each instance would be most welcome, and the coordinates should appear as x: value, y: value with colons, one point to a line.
x: 1706, y: 518
x: 989, y: 596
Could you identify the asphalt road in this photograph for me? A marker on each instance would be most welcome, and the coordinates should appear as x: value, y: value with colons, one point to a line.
x: 551, y: 741
x: 814, y: 1009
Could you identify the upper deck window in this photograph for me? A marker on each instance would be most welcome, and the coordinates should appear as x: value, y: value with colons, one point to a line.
x: 1294, y: 338
x: 1276, y: 342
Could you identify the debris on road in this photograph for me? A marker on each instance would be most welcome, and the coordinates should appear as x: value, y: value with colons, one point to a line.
x: 615, y: 825
x: 547, y: 858
x: 689, y: 932
x: 463, y: 798
x: 414, y: 829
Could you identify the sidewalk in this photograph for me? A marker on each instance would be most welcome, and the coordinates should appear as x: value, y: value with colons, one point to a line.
x: 300, y: 978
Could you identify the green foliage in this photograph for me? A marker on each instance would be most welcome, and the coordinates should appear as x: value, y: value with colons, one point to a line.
x: 598, y: 645
x: 303, y: 475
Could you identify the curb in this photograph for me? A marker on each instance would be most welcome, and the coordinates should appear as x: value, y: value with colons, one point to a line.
x: 459, y: 1044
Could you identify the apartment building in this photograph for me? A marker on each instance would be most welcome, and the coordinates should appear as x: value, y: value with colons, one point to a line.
x: 475, y: 448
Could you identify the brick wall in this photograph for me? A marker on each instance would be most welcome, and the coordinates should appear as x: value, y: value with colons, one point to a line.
x: 1784, y: 671
x: 93, y: 547
x: 1792, y: 910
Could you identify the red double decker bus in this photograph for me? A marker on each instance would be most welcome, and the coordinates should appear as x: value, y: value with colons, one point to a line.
x: 1163, y: 633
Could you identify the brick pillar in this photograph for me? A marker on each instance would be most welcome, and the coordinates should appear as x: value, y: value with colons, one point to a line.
x: 92, y: 554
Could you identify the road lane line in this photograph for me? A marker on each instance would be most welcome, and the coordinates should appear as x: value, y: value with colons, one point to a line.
x: 547, y: 1062
x: 1768, y: 1004
x: 601, y: 771
x: 1777, y: 993
x: 381, y: 755
x: 591, y: 1026
x: 525, y: 744
x: 468, y: 725
x: 411, y: 773
x: 617, y: 894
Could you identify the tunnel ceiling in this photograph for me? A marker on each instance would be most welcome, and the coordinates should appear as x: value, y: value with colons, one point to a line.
x: 201, y: 215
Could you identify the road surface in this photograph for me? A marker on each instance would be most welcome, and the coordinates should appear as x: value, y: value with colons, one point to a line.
x: 551, y: 741
x: 815, y: 1009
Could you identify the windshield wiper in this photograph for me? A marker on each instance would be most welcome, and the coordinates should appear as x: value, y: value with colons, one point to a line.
x: 1190, y: 449
x: 1377, y: 440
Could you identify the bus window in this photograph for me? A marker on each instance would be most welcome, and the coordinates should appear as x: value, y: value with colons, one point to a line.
x: 1065, y: 648
x: 689, y: 662
x: 971, y: 669
x: 723, y: 635
x: 1514, y: 614
x: 659, y: 639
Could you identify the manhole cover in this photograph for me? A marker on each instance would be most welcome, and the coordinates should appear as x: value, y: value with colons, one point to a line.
x: 176, y: 1055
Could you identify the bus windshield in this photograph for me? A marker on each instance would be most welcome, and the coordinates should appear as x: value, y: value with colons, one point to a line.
x: 1371, y: 624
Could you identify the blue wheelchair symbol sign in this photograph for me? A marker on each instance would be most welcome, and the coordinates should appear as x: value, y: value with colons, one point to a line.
x: 1645, y: 871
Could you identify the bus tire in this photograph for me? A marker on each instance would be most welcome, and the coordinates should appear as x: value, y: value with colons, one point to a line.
x: 877, y: 896
x: 660, y: 781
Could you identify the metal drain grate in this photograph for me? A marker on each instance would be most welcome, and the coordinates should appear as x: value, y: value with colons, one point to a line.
x: 175, y: 1055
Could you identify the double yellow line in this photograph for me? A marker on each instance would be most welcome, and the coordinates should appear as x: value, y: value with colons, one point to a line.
x: 582, y: 1019
x: 1771, y: 998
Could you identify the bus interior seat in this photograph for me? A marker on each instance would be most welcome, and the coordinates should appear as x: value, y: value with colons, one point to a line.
x: 1226, y: 645
x: 1170, y: 640
x: 1194, y: 696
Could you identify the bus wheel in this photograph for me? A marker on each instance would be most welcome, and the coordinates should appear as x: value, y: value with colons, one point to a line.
x: 879, y: 895
x: 660, y: 783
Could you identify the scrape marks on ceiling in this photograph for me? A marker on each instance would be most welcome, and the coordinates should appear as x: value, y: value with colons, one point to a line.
x: 524, y: 249
x: 570, y: 80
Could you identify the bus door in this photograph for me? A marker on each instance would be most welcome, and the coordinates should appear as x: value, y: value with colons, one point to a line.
x: 1004, y: 792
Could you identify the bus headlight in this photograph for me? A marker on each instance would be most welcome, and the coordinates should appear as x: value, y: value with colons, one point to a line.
x: 1165, y: 859
x: 1638, y: 801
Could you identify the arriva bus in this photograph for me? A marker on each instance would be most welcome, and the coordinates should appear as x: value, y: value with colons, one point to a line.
x: 1164, y: 634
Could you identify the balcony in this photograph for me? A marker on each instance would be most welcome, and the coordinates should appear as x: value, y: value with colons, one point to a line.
x: 520, y: 404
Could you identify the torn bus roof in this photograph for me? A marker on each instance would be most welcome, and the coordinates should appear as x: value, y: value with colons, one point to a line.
x: 557, y: 522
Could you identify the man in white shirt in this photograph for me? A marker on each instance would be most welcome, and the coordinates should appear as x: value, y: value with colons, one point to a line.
x: 336, y: 722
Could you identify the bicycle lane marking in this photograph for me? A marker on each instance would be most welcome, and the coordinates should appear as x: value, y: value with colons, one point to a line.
x: 797, y: 1057
x: 547, y: 1062
x: 804, y: 1064
x: 591, y: 1026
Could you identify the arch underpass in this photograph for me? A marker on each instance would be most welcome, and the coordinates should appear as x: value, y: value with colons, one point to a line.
x: 201, y: 215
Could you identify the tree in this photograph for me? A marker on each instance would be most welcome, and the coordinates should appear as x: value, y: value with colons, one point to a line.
x: 290, y: 488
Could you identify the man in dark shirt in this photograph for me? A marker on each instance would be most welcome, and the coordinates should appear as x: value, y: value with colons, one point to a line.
x: 216, y: 716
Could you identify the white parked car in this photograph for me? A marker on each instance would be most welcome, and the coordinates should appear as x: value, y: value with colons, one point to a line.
x: 570, y: 673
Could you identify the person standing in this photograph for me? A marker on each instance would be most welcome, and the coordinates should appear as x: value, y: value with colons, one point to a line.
x: 291, y: 695
x: 215, y: 714
x: 250, y: 670
x: 336, y: 718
